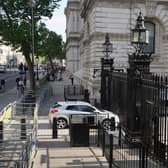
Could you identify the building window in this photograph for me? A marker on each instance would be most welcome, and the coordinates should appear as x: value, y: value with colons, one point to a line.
x: 150, y: 48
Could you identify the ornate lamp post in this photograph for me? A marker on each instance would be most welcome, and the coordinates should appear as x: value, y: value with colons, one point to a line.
x: 107, y: 50
x: 107, y: 46
x: 138, y: 66
x: 37, y: 75
x: 140, y: 35
x: 106, y: 70
x: 139, y: 61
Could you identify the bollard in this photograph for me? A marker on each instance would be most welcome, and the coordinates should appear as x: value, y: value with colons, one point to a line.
x: 112, y: 124
x: 98, y: 135
x: 111, y: 151
x: 23, y: 129
x: 1, y: 131
x: 119, y: 136
x: 54, y: 130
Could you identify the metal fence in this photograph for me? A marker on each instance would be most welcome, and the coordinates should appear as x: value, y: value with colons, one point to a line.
x: 18, y: 133
x: 121, y: 152
x: 142, y: 104
x: 15, y: 153
x: 73, y: 92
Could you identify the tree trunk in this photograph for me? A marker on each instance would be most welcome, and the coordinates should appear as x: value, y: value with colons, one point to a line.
x: 51, y: 63
x: 26, y: 53
x: 31, y: 72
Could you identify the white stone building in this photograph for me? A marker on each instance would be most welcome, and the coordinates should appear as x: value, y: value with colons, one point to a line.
x: 89, y: 20
x: 10, y: 57
x: 73, y: 29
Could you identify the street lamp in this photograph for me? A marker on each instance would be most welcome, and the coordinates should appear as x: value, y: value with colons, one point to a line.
x: 106, y: 63
x: 107, y: 46
x: 37, y: 75
x: 31, y: 4
x: 139, y: 68
x: 140, y: 35
x: 106, y: 71
x: 139, y: 61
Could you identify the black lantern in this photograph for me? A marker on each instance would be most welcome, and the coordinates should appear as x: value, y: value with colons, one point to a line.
x: 107, y: 46
x: 140, y: 35
x: 106, y: 63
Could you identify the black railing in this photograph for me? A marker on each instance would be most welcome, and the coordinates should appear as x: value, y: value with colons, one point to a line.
x: 142, y: 104
x: 74, y: 92
x: 123, y: 151
x: 121, y: 147
x: 15, y: 153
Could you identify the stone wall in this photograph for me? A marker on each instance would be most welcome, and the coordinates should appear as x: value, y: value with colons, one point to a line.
x: 118, y: 17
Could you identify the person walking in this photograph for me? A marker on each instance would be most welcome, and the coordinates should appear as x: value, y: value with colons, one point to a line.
x: 25, y: 81
x: 17, y: 82
x: 60, y: 75
x: 3, y: 83
x: 72, y: 79
x: 21, y: 86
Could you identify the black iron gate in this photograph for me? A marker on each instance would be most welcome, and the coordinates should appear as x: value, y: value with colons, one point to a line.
x: 143, y: 113
x: 106, y: 71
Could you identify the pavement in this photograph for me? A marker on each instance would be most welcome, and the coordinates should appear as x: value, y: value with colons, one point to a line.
x: 57, y: 153
x: 11, y: 95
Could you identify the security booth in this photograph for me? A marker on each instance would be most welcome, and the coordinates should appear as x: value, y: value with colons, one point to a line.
x: 79, y: 129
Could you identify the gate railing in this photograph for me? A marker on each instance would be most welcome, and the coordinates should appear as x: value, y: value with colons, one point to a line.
x: 18, y: 134
x: 16, y: 152
x: 121, y: 152
x: 142, y: 104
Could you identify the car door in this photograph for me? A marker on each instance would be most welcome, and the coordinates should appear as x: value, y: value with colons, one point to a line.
x: 91, y: 112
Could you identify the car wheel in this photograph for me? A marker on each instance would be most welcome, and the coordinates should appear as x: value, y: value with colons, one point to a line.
x: 61, y: 123
x: 106, y: 124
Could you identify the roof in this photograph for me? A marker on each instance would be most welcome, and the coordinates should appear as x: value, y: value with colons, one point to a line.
x: 73, y: 102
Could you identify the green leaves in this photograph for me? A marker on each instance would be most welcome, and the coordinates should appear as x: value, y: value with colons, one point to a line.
x: 51, y: 45
x: 17, y: 20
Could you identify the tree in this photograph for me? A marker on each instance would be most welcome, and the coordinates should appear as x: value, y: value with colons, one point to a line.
x: 51, y: 46
x: 17, y: 18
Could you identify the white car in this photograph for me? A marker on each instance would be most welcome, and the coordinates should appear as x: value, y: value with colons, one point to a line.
x: 64, y: 109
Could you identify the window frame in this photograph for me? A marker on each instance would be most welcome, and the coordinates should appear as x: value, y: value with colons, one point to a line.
x: 75, y: 106
x: 86, y: 106
x: 154, y: 36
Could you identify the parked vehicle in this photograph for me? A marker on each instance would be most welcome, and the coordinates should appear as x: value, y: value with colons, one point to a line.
x: 2, y: 68
x: 64, y: 109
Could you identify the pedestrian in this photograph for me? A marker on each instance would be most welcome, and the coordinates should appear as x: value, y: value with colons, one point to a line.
x: 21, y: 86
x: 53, y: 76
x: 60, y: 75
x: 72, y: 79
x: 24, y: 81
x: 2, y: 83
x: 17, y: 82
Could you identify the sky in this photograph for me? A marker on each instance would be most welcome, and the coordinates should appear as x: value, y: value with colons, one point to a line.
x: 58, y: 22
